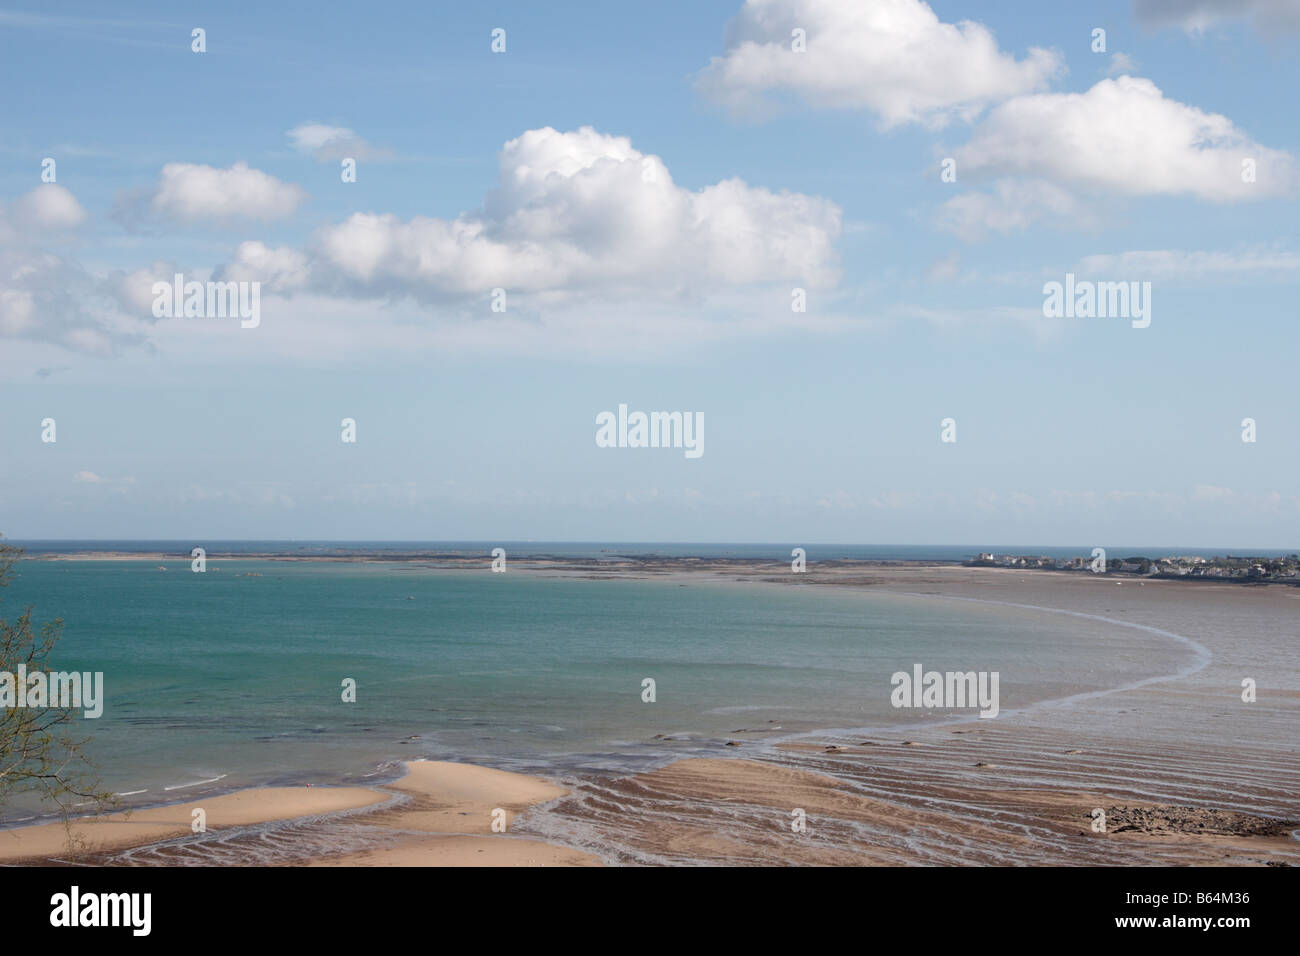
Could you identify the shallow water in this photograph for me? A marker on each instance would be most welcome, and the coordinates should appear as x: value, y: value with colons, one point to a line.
x: 233, y: 677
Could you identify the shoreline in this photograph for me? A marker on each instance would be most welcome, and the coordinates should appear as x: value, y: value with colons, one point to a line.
x: 631, y: 565
x: 1180, y: 829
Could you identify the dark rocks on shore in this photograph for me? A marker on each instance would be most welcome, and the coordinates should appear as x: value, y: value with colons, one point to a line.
x: 1164, y: 820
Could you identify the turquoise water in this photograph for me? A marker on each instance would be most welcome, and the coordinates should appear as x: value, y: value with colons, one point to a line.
x: 233, y: 676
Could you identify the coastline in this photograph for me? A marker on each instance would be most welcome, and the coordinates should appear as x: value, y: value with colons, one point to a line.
x: 631, y: 565
x: 1019, y: 789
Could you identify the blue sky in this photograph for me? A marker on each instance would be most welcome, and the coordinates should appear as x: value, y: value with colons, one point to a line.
x: 768, y: 170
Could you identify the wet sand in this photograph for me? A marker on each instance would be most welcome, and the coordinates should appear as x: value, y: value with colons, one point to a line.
x: 438, y: 814
x: 1186, y: 772
x: 91, y: 836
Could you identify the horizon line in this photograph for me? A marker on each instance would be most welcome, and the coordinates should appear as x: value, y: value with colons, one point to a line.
x: 616, y: 542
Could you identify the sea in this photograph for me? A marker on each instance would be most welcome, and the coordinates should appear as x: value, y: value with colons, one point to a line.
x: 242, y: 675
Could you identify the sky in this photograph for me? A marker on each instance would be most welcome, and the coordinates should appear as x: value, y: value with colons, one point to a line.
x: 562, y: 208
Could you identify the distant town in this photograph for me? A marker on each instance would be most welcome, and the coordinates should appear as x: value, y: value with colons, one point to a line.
x: 1227, y: 568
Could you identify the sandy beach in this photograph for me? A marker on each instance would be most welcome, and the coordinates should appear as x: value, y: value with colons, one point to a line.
x: 1184, y: 771
x: 95, y: 836
x: 438, y: 814
x: 448, y: 821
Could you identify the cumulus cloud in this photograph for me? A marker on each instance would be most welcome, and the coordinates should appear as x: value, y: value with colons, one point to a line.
x: 1065, y: 155
x: 1124, y: 136
x: 133, y: 290
x: 190, y: 193
x: 48, y: 298
x: 894, y: 58
x: 48, y: 207
x: 1197, y: 16
x: 572, y: 213
x: 283, y: 268
x: 332, y: 143
x: 594, y: 242
x: 44, y: 296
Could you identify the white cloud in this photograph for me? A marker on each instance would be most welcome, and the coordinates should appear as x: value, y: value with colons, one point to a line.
x: 48, y: 207
x: 332, y: 143
x: 46, y: 297
x: 894, y: 58
x: 189, y: 193
x: 1013, y: 205
x: 572, y: 214
x: 88, y: 477
x: 283, y: 268
x: 1124, y: 136
x: 599, y: 250
x: 1193, y: 264
x: 17, y: 311
x: 1197, y: 16
x: 134, y: 290
x: 1121, y: 64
